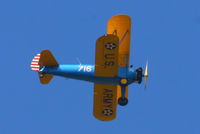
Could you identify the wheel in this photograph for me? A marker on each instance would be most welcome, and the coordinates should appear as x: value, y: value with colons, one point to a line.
x: 122, y: 101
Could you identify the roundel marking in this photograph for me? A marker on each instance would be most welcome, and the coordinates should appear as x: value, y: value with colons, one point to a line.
x: 110, y: 46
x: 107, y: 112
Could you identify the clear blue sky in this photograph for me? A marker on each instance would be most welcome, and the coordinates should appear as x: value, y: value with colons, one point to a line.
x: 166, y: 32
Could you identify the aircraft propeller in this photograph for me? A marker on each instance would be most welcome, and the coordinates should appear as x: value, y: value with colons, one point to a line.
x: 145, y: 75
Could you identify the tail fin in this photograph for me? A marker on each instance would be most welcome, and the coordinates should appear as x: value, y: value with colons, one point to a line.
x: 47, y: 59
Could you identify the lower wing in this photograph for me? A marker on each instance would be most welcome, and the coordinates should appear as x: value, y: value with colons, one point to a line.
x: 106, y: 65
x: 105, y: 102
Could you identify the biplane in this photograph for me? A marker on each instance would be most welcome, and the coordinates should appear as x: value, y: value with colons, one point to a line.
x: 111, y: 73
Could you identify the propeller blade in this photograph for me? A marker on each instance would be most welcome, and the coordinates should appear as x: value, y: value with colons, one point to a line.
x: 146, y: 70
x: 146, y: 74
x: 145, y: 78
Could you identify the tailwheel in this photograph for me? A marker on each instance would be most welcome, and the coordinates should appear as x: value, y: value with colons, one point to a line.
x: 122, y: 101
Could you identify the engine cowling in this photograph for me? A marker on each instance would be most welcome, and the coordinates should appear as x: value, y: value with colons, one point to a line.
x: 139, y: 75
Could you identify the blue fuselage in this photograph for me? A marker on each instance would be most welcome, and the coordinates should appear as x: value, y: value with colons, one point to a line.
x: 86, y: 73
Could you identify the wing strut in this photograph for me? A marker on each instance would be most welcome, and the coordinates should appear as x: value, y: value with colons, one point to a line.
x: 123, y: 37
x: 115, y: 32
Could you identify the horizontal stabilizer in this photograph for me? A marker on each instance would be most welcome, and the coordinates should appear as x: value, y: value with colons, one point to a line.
x: 45, y: 78
x: 47, y: 59
x: 44, y: 59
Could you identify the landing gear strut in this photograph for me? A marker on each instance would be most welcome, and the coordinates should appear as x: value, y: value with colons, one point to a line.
x: 122, y: 101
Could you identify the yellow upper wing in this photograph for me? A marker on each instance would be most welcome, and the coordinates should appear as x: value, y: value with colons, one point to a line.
x: 120, y: 25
